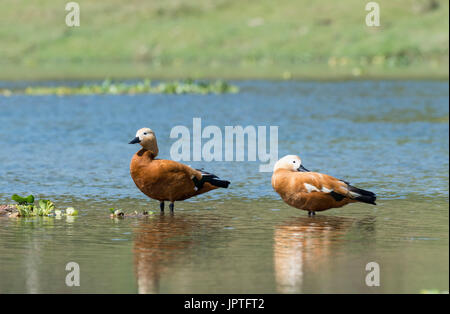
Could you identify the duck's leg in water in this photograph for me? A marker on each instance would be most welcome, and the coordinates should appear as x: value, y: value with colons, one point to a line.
x: 171, y: 207
x: 311, y: 213
x: 161, y: 206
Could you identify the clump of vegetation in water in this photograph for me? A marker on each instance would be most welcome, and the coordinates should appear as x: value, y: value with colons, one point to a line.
x: 142, y: 87
x: 118, y: 213
x: 26, y: 208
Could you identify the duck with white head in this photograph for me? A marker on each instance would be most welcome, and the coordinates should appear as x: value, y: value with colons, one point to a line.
x: 313, y: 191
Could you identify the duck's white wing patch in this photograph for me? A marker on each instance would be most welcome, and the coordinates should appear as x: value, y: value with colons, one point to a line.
x: 310, y: 188
x: 325, y: 190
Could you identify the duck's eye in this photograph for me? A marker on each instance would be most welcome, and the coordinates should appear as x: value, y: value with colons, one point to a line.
x: 294, y: 161
x: 145, y: 133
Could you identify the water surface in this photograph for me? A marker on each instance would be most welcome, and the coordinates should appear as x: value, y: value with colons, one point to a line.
x: 388, y: 137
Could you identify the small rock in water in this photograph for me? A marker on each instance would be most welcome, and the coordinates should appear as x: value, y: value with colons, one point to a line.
x: 13, y: 215
x: 8, y: 210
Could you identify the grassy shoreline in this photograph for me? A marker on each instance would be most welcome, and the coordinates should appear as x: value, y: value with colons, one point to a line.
x: 224, y: 39
x: 306, y: 72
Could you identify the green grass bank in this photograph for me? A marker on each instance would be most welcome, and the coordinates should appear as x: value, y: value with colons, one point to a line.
x: 229, y: 39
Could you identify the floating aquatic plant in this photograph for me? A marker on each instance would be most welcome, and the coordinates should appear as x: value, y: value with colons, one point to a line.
x: 26, y: 207
x: 70, y: 211
x: 25, y: 210
x: 45, y: 208
x: 118, y: 213
x: 188, y: 86
x: 23, y: 200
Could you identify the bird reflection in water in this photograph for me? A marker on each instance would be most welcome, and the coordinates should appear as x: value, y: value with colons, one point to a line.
x: 161, y: 242
x: 305, y: 243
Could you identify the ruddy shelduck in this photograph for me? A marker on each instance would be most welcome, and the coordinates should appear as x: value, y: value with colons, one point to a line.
x: 313, y: 191
x: 167, y: 180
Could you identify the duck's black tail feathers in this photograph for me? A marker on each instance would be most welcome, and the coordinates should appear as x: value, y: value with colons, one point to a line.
x: 211, y: 178
x: 219, y: 183
x: 363, y: 195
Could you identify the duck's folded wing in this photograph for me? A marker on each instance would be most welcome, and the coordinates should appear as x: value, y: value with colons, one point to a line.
x: 211, y: 178
x: 314, y: 182
x: 206, y: 174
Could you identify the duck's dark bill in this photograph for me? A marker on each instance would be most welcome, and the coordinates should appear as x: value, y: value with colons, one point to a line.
x: 302, y: 169
x: 135, y: 140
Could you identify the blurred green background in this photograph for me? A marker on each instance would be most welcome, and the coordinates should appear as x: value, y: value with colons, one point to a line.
x: 233, y: 39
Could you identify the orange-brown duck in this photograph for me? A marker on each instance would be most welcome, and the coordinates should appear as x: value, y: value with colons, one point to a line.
x: 313, y: 191
x: 167, y: 180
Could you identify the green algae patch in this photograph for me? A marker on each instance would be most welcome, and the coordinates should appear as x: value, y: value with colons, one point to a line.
x: 122, y: 88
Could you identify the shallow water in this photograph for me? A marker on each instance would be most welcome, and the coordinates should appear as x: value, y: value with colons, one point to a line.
x: 388, y: 137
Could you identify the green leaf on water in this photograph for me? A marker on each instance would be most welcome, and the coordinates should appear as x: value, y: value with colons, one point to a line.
x: 30, y: 199
x: 23, y: 200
